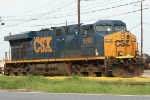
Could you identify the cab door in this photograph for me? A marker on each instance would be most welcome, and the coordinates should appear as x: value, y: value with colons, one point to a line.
x: 87, y: 41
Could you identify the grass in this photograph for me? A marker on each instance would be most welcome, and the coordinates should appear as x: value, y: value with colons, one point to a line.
x: 72, y: 84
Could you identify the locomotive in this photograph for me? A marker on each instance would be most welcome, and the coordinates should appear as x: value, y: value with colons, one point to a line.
x: 146, y: 61
x: 100, y: 48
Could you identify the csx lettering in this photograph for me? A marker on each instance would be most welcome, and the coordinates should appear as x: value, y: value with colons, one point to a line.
x: 42, y: 44
x: 122, y: 43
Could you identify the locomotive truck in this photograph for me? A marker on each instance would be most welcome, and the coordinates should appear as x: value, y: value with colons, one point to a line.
x: 100, y: 48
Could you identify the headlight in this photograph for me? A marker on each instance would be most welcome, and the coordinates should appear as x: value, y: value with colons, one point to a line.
x: 122, y: 35
x: 137, y: 53
x: 108, y: 40
x: 119, y: 53
x: 133, y: 40
x: 128, y: 55
x: 144, y: 57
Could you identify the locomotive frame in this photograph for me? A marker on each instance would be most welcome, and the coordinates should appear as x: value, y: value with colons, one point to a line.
x: 102, y: 48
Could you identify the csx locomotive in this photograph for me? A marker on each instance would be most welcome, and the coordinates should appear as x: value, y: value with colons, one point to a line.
x: 100, y: 48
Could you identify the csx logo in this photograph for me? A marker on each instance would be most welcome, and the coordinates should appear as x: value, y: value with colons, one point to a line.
x: 42, y: 44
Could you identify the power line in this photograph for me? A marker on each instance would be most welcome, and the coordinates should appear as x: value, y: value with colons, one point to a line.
x: 75, y: 22
x: 102, y: 17
x: 84, y: 20
x: 88, y: 5
x: 54, y: 24
x: 126, y: 13
x: 89, y: 8
x: 111, y: 7
x: 32, y: 9
x: 81, y: 13
x: 102, y: 2
x: 43, y: 14
x: 64, y: 13
x: 100, y: 9
x: 76, y: 14
x: 61, y: 10
x: 96, y: 3
x: 147, y: 25
x: 127, y: 16
x: 135, y: 26
x: 102, y: 5
x: 37, y: 17
x: 52, y: 9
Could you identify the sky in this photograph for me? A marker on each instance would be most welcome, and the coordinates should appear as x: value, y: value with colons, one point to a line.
x: 32, y: 15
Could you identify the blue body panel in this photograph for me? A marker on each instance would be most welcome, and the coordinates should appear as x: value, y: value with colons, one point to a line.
x: 25, y: 35
x: 66, y: 45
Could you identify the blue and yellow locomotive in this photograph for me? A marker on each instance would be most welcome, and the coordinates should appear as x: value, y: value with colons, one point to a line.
x: 102, y: 48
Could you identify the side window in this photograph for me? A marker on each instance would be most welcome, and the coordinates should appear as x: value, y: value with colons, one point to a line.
x: 87, y: 31
x: 67, y: 30
x: 58, y: 32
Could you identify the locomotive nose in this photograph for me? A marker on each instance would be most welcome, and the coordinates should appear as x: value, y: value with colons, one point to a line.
x: 125, y: 45
x: 122, y: 44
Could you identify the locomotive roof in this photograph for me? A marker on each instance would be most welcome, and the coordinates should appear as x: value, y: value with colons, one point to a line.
x: 23, y: 35
x: 105, y: 22
x: 32, y: 34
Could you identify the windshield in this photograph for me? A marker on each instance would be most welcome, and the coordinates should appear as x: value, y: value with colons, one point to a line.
x: 103, y: 28
x: 120, y: 28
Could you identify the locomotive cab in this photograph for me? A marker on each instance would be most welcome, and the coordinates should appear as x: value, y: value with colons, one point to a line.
x: 111, y: 40
x: 121, y: 50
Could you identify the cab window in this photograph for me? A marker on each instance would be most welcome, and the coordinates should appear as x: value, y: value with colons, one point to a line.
x: 58, y: 32
x: 103, y: 28
x: 120, y: 28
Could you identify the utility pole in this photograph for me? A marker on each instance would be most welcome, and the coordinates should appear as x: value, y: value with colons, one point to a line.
x: 66, y: 22
x: 141, y: 32
x: 78, y: 16
x: 141, y: 29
